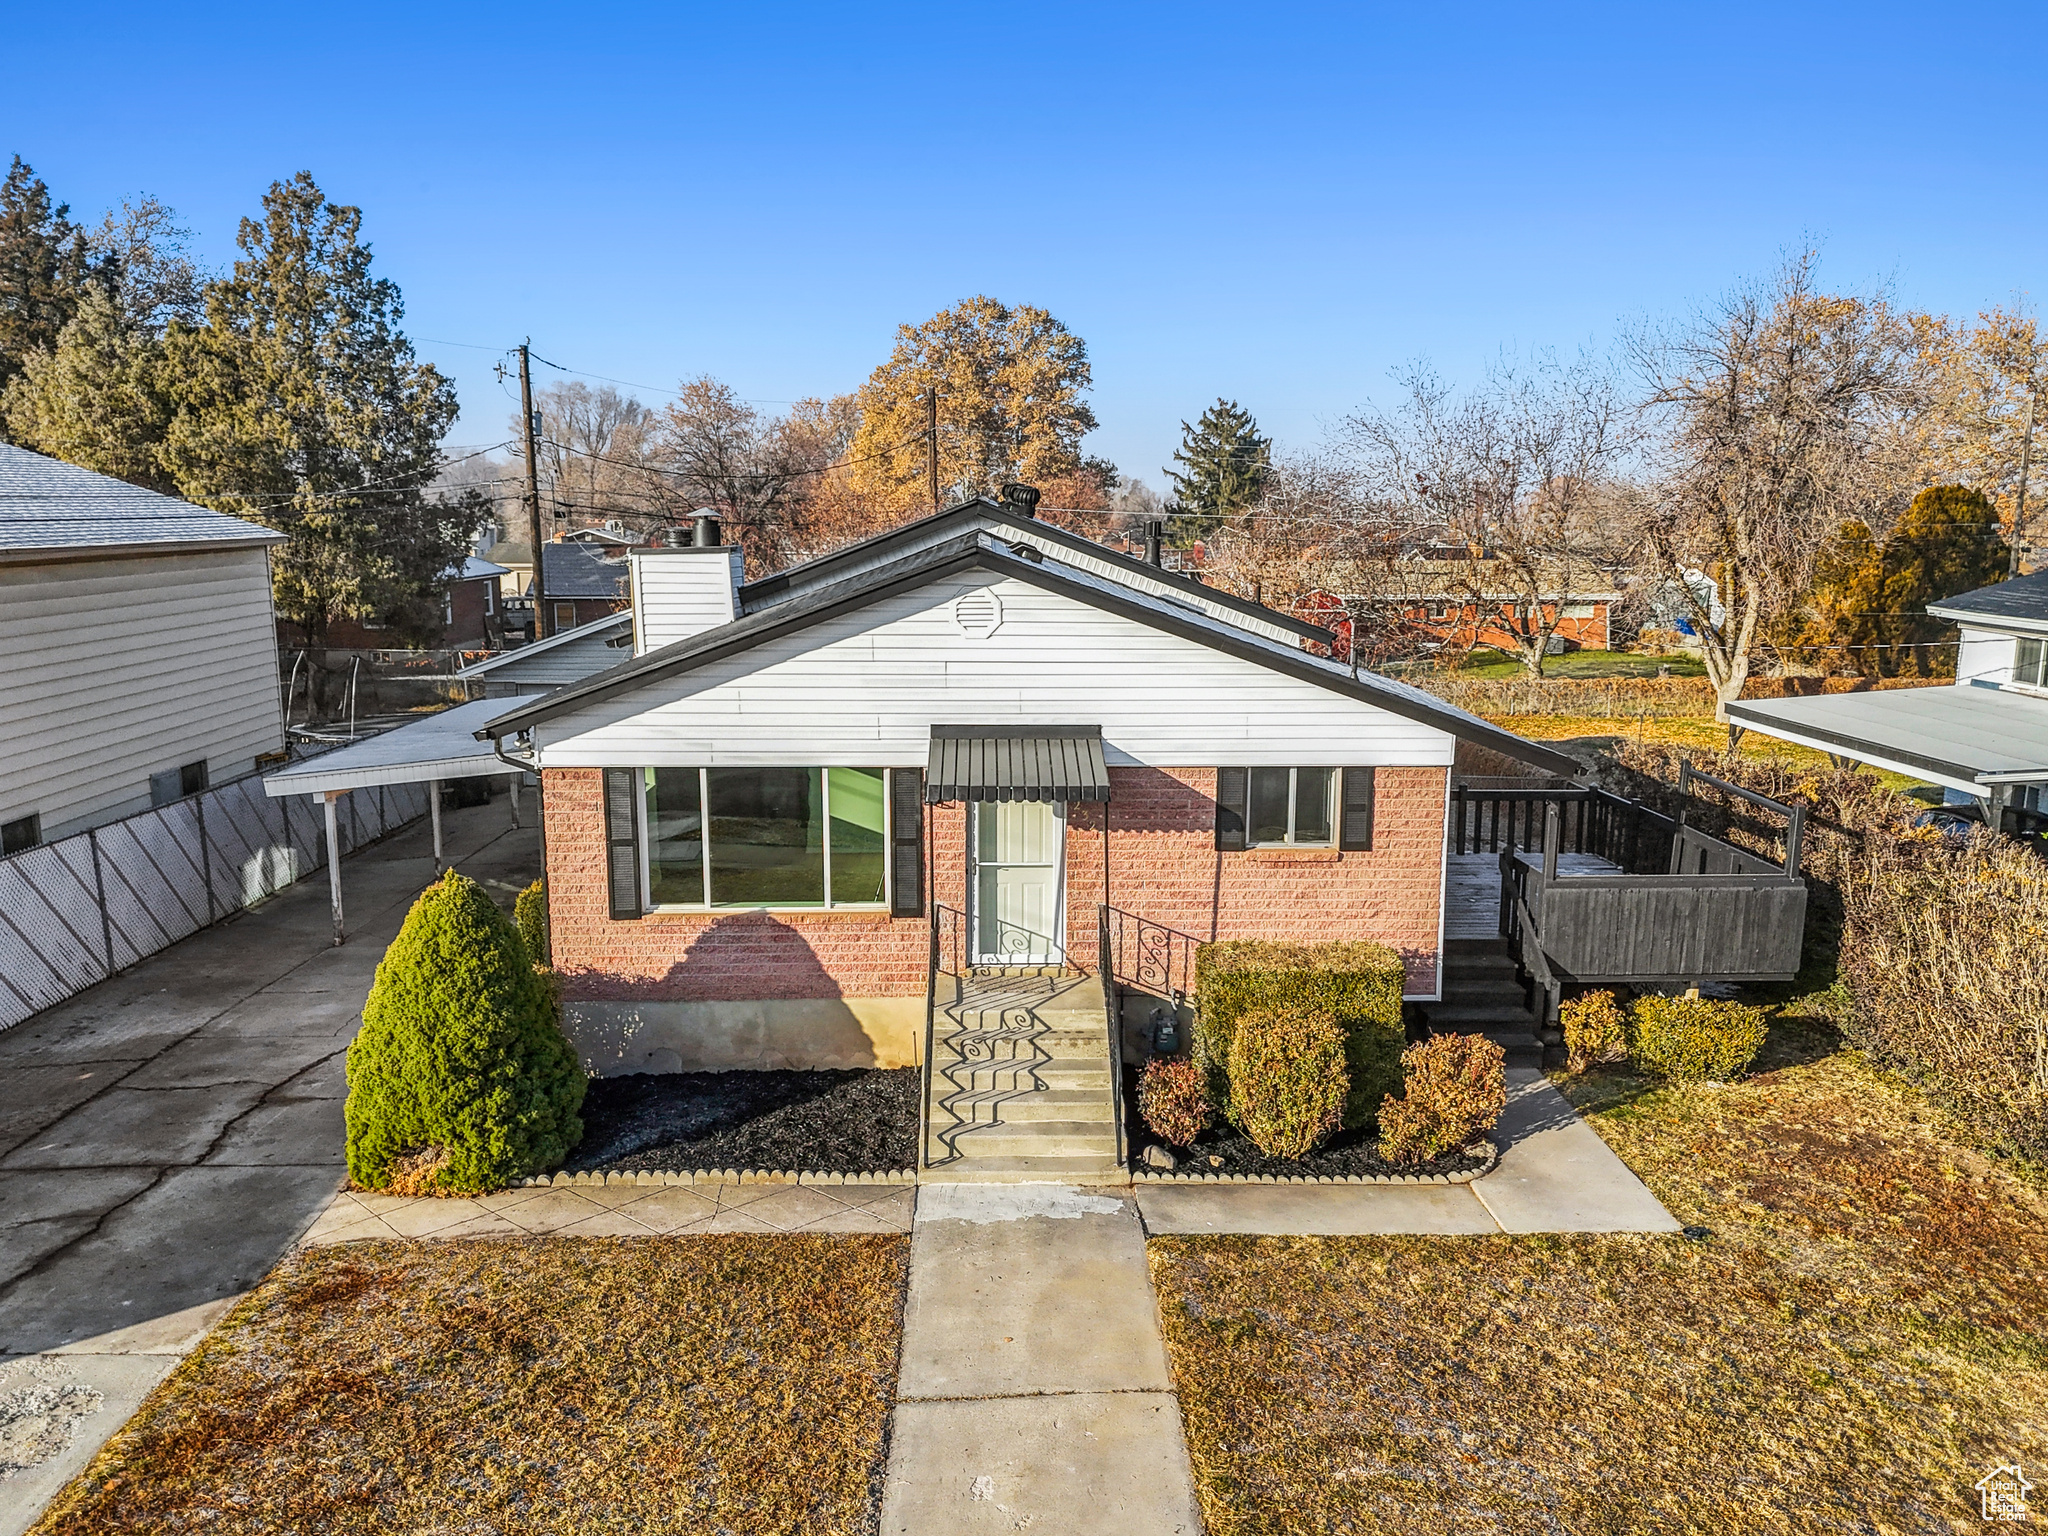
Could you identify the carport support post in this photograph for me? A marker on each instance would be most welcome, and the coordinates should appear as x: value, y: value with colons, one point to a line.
x: 331, y: 798
x: 434, y: 810
x: 514, y: 778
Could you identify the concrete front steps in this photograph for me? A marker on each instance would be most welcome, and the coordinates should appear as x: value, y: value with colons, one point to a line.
x: 1020, y: 1085
x: 1482, y: 997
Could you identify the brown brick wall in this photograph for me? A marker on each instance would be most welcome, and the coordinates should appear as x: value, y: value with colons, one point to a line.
x: 1162, y: 865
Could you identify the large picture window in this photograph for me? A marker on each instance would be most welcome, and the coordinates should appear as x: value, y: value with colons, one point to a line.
x: 766, y: 837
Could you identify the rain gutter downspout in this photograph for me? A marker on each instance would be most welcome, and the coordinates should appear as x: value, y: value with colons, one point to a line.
x: 540, y: 821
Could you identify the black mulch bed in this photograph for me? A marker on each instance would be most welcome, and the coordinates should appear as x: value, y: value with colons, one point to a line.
x: 850, y: 1120
x: 1225, y: 1149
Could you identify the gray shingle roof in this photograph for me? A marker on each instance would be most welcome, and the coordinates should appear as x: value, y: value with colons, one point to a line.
x: 46, y: 504
x: 581, y: 570
x: 2024, y: 599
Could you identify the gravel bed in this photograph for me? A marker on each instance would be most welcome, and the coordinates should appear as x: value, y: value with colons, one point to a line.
x: 847, y: 1120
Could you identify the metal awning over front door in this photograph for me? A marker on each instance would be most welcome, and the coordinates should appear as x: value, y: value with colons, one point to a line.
x: 1016, y: 762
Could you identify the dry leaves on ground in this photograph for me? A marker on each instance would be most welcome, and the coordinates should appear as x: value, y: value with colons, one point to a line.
x: 1858, y: 1340
x: 592, y: 1385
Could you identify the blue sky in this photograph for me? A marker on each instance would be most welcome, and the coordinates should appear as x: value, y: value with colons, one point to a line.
x: 1276, y: 204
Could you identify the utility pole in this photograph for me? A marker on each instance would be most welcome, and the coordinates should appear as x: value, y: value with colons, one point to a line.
x: 540, y: 609
x: 2019, y: 509
x: 931, y: 428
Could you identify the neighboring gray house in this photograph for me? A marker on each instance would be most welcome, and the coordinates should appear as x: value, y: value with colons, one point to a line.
x: 138, y: 654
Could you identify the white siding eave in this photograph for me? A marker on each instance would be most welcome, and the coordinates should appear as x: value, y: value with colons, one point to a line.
x: 865, y: 687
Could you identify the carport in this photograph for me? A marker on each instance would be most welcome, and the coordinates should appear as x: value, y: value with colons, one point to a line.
x: 428, y: 751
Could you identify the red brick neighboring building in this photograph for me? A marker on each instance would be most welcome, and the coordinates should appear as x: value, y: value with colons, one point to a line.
x: 759, y: 827
x: 470, y: 616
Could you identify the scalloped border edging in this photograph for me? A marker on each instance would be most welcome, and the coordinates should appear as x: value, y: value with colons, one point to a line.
x: 1210, y: 1176
x: 645, y: 1179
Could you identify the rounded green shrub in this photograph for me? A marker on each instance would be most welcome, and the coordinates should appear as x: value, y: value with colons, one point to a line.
x: 1287, y: 1078
x: 1174, y: 1099
x: 530, y: 913
x: 1457, y: 1086
x: 1355, y: 982
x: 1694, y: 1039
x: 460, y: 1080
x: 1595, y: 1031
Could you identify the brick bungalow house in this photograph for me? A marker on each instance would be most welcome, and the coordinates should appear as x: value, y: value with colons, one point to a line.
x: 758, y: 827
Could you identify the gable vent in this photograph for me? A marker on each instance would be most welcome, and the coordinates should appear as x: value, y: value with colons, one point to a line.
x: 977, y: 614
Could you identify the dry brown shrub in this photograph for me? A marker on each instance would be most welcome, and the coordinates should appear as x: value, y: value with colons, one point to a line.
x: 1595, y: 1031
x: 1457, y: 1086
x: 1173, y: 1096
x: 418, y: 1173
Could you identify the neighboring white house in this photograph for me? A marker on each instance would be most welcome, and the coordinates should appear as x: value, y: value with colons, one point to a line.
x: 138, y: 654
x: 1985, y: 741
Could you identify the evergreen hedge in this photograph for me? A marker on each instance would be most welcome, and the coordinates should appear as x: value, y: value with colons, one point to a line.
x: 460, y: 1080
x: 1694, y: 1039
x: 530, y: 913
x: 1357, y: 983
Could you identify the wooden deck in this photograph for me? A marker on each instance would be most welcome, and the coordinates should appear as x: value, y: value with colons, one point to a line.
x: 1472, y: 890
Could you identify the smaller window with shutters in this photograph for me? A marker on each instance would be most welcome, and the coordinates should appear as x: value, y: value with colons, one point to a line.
x: 1294, y: 808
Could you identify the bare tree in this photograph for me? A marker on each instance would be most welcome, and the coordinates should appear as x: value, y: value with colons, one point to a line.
x: 1501, y: 499
x: 598, y: 459
x: 1982, y: 385
x: 1778, y: 414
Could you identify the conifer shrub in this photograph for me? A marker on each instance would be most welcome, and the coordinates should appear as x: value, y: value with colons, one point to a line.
x: 1595, y: 1031
x: 1457, y: 1087
x: 1356, y: 983
x: 530, y: 913
x: 1694, y: 1039
x: 1287, y: 1078
x: 1174, y: 1099
x: 459, y: 1081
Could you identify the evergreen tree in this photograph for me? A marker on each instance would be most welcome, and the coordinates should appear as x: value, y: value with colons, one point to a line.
x: 297, y: 403
x: 45, y: 268
x: 1870, y: 599
x: 95, y: 400
x: 460, y: 1080
x: 1225, y: 465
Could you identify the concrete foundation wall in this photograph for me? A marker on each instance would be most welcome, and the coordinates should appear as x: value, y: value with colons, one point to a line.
x: 677, y: 1036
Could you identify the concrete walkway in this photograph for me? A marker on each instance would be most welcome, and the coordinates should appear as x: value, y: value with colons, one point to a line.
x: 1033, y: 1392
x: 165, y: 1136
x: 621, y: 1211
x: 1555, y: 1175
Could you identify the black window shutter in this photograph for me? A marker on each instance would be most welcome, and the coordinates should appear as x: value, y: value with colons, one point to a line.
x: 622, y: 843
x: 1354, y: 833
x: 1231, y: 788
x: 906, y: 842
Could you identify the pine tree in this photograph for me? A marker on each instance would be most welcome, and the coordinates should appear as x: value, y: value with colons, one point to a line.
x: 298, y: 404
x: 95, y: 400
x: 45, y: 268
x: 459, y: 1080
x: 1226, y: 464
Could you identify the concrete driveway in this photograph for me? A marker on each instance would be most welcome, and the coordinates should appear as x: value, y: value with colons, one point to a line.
x: 166, y: 1136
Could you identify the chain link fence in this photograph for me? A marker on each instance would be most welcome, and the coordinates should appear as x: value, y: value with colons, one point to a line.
x: 81, y: 909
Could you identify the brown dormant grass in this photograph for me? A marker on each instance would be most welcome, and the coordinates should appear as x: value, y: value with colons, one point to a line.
x: 1857, y: 1341
x: 595, y: 1385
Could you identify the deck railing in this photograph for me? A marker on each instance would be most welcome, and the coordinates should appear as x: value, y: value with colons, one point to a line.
x: 1592, y: 821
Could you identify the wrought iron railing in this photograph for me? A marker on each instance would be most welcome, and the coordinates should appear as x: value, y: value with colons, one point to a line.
x: 1113, y: 1014
x: 1148, y: 956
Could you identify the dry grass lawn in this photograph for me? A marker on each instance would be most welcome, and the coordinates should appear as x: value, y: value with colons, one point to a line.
x: 1858, y: 1340
x: 649, y: 1385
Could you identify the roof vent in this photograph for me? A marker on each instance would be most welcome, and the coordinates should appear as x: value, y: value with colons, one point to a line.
x: 704, y: 531
x: 977, y: 615
x: 1021, y: 499
x: 1155, y: 538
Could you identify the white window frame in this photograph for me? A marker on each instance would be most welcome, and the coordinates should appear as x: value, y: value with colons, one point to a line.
x: 824, y: 770
x: 1293, y: 791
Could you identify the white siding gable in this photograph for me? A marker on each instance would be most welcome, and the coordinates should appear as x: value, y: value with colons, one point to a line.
x: 1022, y: 530
x: 1985, y: 656
x: 114, y: 669
x: 865, y: 688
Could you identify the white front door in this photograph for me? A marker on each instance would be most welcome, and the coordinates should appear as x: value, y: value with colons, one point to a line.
x: 1018, y: 848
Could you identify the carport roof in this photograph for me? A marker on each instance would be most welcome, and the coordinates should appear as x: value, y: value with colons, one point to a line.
x: 442, y: 746
x: 1969, y: 737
